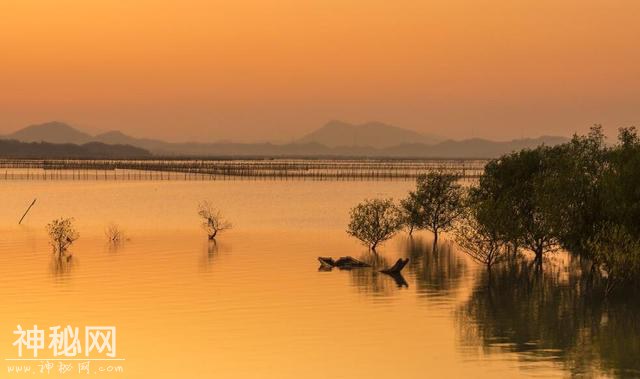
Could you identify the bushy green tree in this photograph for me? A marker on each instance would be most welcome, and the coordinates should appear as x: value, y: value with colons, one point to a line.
x: 573, y: 182
x: 375, y: 221
x: 617, y: 252
x: 582, y: 196
x: 620, y: 187
x: 411, y: 213
x: 439, y: 201
x: 515, y: 185
x: 480, y: 240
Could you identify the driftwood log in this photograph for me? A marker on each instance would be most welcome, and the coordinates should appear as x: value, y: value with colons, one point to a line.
x: 326, y: 263
x: 349, y: 262
x: 397, y: 267
x: 395, y: 272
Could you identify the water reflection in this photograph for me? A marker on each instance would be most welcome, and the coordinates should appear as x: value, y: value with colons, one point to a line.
x: 113, y: 247
x: 398, y: 278
x: 438, y: 270
x: 558, y: 315
x: 370, y: 280
x: 61, y: 267
x: 212, y: 251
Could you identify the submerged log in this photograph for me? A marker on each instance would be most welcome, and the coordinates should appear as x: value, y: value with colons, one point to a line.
x: 397, y: 267
x: 349, y: 262
x: 326, y: 262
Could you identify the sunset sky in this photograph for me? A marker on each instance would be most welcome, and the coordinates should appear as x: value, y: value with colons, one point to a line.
x: 254, y: 70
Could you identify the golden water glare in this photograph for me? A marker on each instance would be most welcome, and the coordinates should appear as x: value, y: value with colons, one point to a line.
x: 251, y: 305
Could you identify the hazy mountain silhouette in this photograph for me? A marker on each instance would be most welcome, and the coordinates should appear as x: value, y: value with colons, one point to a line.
x: 117, y: 137
x: 96, y: 150
x: 335, y: 143
x: 54, y: 132
x: 471, y: 148
x: 372, y: 134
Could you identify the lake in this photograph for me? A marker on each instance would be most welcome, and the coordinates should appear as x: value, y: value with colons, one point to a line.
x: 254, y: 304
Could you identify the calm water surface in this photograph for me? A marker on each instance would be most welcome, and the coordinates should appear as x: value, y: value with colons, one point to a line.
x: 255, y: 305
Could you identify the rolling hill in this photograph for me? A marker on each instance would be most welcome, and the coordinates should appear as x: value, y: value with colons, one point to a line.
x: 53, y: 132
x: 371, y: 134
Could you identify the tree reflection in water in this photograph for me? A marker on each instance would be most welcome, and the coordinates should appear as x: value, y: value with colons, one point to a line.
x: 370, y: 280
x: 212, y: 252
x: 438, y: 271
x: 557, y: 315
x: 60, y: 267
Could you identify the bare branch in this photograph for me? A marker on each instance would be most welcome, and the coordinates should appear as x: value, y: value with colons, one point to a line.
x: 213, y: 220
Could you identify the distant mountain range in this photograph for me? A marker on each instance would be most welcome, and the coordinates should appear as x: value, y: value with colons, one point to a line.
x: 335, y: 139
x: 371, y: 134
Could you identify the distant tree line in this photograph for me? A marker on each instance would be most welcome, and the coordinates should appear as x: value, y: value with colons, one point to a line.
x: 91, y: 150
x: 582, y: 196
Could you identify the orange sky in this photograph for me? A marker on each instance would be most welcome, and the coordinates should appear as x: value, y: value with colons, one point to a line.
x: 273, y: 70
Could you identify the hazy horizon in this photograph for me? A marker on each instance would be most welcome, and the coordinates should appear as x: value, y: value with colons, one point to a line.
x: 96, y: 132
x: 253, y: 71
